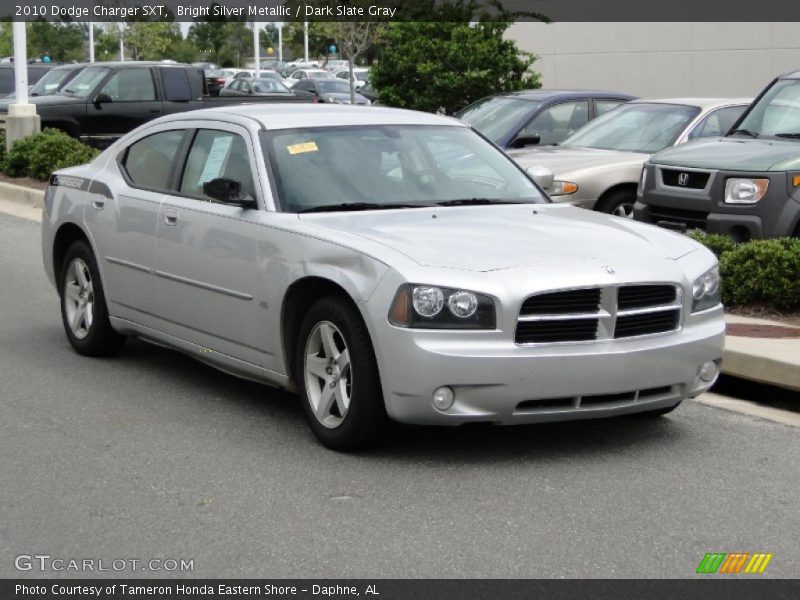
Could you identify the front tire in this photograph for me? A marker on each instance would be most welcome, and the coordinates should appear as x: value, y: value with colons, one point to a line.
x: 83, y: 305
x: 337, y: 377
x: 619, y: 204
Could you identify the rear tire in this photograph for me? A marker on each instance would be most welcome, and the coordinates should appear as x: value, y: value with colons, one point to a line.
x: 337, y: 377
x: 619, y: 204
x: 83, y: 304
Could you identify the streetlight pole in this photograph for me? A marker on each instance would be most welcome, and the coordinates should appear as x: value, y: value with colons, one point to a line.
x: 256, y: 53
x: 91, y: 42
x: 305, y: 41
x: 22, y: 119
x: 280, y: 42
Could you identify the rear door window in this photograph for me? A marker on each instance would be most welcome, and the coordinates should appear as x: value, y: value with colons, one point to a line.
x: 217, y: 154
x: 176, y: 85
x: 148, y: 162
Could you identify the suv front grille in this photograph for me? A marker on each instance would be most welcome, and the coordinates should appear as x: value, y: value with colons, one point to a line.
x: 693, y: 180
x: 693, y: 219
x: 603, y: 313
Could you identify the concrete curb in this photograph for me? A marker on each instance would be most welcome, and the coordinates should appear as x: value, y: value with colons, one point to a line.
x: 21, y: 195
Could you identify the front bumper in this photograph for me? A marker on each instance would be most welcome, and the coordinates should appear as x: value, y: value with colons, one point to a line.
x: 497, y: 381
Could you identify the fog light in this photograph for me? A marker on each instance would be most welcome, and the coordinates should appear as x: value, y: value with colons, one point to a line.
x: 443, y: 398
x: 708, y: 371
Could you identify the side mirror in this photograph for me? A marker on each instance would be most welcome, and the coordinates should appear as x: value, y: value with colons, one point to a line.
x: 542, y: 176
x: 102, y: 99
x: 526, y: 140
x: 227, y: 191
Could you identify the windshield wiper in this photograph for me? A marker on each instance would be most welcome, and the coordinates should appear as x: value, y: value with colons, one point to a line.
x: 744, y: 131
x: 476, y: 202
x: 795, y: 135
x: 354, y: 206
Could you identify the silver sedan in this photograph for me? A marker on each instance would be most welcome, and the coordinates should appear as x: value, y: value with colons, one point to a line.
x: 599, y: 165
x: 389, y: 266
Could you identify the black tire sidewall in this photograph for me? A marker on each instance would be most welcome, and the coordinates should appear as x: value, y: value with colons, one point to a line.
x: 102, y: 339
x: 613, y: 200
x: 366, y: 422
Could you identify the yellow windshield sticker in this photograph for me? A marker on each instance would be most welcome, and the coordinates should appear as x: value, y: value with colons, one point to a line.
x: 304, y: 147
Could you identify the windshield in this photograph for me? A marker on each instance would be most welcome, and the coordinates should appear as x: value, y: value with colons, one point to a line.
x: 407, y: 165
x: 639, y: 127
x: 50, y: 82
x: 498, y: 117
x: 85, y: 82
x: 319, y: 74
x: 334, y: 86
x: 777, y: 113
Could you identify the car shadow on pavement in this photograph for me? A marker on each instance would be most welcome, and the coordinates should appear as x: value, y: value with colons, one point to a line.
x: 467, y: 444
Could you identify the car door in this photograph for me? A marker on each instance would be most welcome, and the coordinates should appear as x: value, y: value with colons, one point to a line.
x: 122, y: 217
x: 207, y: 252
x: 305, y: 89
x: 124, y: 101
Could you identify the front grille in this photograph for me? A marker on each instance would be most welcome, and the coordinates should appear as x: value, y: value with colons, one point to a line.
x: 647, y: 323
x: 686, y: 179
x: 693, y: 219
x: 556, y: 303
x: 596, y: 400
x: 600, y: 313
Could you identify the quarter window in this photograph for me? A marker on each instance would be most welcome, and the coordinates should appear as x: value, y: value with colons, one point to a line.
x: 716, y: 123
x: 217, y: 154
x: 603, y: 106
x: 556, y: 123
x: 148, y: 162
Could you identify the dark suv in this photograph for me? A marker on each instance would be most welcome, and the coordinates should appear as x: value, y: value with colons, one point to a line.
x: 745, y: 184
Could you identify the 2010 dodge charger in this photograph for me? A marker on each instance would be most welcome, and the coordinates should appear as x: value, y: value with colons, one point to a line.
x: 387, y: 265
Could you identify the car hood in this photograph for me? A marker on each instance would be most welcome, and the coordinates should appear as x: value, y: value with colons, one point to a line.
x: 563, y: 159
x: 51, y: 100
x: 489, y: 238
x: 733, y: 154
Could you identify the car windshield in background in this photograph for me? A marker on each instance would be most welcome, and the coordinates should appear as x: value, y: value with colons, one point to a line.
x: 777, y: 113
x: 319, y: 74
x: 334, y: 86
x: 269, y: 86
x: 350, y: 168
x: 49, y: 83
x: 496, y: 116
x: 361, y: 75
x: 270, y: 75
x: 639, y: 127
x: 84, y: 82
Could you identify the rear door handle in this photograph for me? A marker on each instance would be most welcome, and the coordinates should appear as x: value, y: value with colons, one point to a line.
x: 171, y: 217
x: 98, y: 202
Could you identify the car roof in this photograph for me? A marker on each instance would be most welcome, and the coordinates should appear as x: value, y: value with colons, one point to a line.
x: 702, y: 103
x: 795, y: 75
x: 542, y: 95
x: 290, y: 116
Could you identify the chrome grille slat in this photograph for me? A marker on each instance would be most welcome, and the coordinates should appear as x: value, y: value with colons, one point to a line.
x: 599, y: 313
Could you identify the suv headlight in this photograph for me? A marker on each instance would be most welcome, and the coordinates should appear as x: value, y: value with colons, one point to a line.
x: 745, y: 191
x: 706, y: 290
x: 562, y: 188
x: 432, y: 307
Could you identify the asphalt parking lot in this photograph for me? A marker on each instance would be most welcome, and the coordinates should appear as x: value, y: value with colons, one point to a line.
x: 153, y: 455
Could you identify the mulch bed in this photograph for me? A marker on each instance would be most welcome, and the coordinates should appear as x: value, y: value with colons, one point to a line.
x: 761, y: 331
x: 24, y: 182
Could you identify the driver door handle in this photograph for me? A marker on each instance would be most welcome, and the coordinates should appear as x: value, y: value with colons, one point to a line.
x: 171, y: 217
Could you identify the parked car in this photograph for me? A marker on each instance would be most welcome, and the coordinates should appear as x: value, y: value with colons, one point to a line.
x: 337, y: 65
x: 327, y: 250
x: 537, y: 117
x: 255, y: 87
x: 206, y: 66
x: 745, y: 184
x: 599, y: 166
x: 106, y: 100
x: 52, y: 81
x: 334, y: 91
x: 218, y: 79
x: 360, y: 76
x: 301, y: 74
x: 369, y: 93
x: 35, y: 73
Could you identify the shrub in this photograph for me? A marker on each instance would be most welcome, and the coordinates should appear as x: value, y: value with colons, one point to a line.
x: 40, y: 154
x: 762, y: 271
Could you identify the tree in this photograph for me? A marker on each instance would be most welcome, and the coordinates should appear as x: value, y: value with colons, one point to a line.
x: 449, y: 59
x: 147, y: 40
x: 353, y: 38
x: 209, y: 35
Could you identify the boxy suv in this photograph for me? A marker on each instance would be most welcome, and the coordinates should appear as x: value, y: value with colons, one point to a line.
x: 745, y: 184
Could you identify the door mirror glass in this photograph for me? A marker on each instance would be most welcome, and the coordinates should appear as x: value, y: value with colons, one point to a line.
x: 226, y: 190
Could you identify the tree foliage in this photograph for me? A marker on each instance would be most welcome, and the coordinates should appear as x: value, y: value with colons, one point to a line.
x: 450, y: 58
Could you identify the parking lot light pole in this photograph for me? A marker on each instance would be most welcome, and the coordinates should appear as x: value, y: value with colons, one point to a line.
x: 305, y: 41
x: 280, y: 42
x: 256, y: 53
x: 22, y: 119
x: 91, y: 42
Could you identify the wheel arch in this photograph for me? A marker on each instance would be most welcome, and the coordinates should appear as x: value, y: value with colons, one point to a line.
x: 627, y: 186
x: 67, y: 234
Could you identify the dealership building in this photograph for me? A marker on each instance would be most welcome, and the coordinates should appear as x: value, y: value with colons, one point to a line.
x: 661, y: 59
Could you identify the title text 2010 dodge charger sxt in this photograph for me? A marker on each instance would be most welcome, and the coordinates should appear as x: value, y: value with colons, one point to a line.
x: 388, y: 265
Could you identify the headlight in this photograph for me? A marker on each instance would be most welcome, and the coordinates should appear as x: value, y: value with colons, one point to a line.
x: 745, y: 191
x: 706, y: 290
x: 432, y: 307
x: 562, y: 188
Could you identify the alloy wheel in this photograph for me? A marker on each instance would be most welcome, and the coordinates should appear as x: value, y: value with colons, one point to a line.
x: 79, y: 298
x: 328, y: 374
